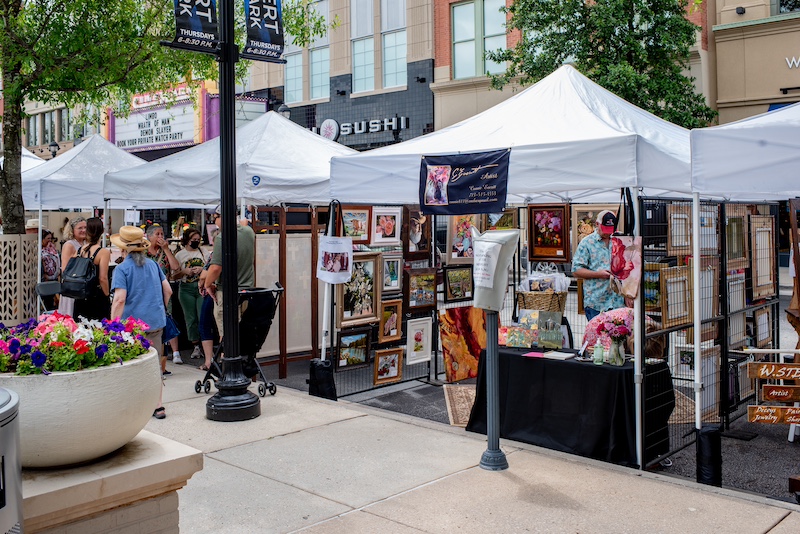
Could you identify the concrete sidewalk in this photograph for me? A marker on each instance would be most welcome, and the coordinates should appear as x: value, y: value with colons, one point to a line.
x: 327, y: 467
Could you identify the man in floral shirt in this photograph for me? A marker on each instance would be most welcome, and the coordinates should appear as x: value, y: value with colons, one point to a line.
x: 592, y: 263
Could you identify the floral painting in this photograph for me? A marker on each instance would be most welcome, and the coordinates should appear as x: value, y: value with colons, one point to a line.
x: 388, y: 366
x: 386, y: 226
x: 463, y: 335
x: 358, y: 299
x: 584, y: 217
x: 548, y: 238
x: 418, y: 348
x: 391, y: 321
x: 459, y: 237
x: 436, y: 185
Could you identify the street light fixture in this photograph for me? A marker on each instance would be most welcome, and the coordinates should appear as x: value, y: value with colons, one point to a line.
x: 285, y: 110
x: 54, y: 148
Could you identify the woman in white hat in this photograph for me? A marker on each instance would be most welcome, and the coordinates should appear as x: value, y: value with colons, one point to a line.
x: 140, y: 290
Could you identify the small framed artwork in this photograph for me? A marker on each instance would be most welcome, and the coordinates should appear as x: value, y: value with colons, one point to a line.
x: 709, y: 230
x: 420, y: 289
x: 676, y: 291
x: 391, y: 320
x: 652, y: 285
x: 583, y: 217
x: 458, y: 283
x: 459, y: 238
x: 354, y: 345
x: 356, y: 223
x: 762, y: 241
x: 679, y: 229
x: 358, y: 299
x: 763, y: 322
x: 708, y: 295
x: 419, y: 332
x: 386, y: 225
x: 737, y: 329
x: 548, y: 237
x: 506, y: 220
x: 417, y: 230
x: 736, y: 236
x: 388, y: 366
x: 392, y: 273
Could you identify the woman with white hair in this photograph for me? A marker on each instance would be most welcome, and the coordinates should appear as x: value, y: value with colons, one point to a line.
x: 141, y: 290
x: 75, y: 235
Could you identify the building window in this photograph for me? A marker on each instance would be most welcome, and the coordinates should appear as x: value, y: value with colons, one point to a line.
x: 478, y: 27
x: 789, y: 6
x: 33, y: 131
x: 67, y: 127
x: 293, y: 86
x: 393, y: 15
x: 320, y: 73
x: 49, y: 130
x: 363, y: 65
x: 361, y: 15
x: 394, y: 59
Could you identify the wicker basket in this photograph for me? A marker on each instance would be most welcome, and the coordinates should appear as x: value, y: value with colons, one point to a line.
x: 542, y: 300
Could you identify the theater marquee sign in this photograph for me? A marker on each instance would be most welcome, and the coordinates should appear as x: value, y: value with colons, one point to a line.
x: 156, y: 128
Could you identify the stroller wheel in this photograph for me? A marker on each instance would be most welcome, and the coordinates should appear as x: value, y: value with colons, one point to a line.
x: 262, y: 390
x: 198, y: 386
x: 207, y: 386
x: 272, y: 389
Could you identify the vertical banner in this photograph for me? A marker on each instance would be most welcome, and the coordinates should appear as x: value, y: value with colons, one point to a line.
x: 461, y: 184
x: 263, y: 19
x: 196, y: 25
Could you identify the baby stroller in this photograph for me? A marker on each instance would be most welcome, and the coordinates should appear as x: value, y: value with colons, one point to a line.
x: 253, y: 330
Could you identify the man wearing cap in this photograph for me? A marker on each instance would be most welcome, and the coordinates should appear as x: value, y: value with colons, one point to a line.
x: 245, y: 269
x: 592, y: 263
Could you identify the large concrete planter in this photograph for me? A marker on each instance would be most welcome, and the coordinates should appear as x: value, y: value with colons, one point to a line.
x: 70, y: 418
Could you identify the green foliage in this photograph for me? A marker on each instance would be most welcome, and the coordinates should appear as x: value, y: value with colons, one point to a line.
x: 637, y: 49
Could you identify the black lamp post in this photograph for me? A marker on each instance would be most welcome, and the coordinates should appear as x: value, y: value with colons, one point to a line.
x: 285, y: 110
x: 233, y: 401
x: 53, y: 148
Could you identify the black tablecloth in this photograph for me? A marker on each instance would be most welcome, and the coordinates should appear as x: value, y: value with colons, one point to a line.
x: 571, y: 406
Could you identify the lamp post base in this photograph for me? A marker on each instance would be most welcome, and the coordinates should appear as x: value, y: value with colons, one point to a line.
x: 494, y: 460
x: 233, y: 401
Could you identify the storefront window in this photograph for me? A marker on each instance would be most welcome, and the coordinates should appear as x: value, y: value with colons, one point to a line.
x: 294, y: 78
x: 320, y: 73
x: 363, y: 65
x: 394, y: 59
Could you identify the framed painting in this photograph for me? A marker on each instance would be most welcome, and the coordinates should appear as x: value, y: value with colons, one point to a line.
x: 388, y: 366
x: 392, y: 273
x: 652, y: 285
x: 354, y: 346
x: 762, y: 241
x: 506, y: 220
x: 459, y: 238
x: 583, y: 217
x: 358, y: 299
x: 548, y: 227
x: 356, y: 223
x: 386, y: 226
x: 709, y: 229
x: 736, y: 236
x: 676, y: 292
x: 763, y: 321
x: 419, y: 333
x: 391, y: 321
x: 417, y: 231
x: 708, y: 295
x: 458, y: 283
x: 420, y: 289
x: 679, y: 229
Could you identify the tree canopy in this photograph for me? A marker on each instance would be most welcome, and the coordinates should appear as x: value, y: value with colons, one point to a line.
x: 637, y: 49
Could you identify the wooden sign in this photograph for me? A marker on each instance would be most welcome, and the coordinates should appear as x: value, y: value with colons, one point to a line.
x: 781, y: 393
x: 774, y: 371
x: 773, y: 414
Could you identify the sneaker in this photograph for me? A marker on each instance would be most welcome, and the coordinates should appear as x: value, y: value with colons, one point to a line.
x: 666, y: 462
x: 176, y: 359
x: 167, y: 373
x: 196, y: 353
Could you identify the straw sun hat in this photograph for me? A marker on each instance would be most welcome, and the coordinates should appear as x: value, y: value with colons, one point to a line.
x: 131, y: 239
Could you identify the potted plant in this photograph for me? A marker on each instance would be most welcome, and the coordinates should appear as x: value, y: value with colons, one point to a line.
x: 86, y: 388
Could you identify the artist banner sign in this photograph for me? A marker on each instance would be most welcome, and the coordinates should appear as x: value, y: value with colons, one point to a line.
x: 462, y: 184
x: 196, y: 25
x: 264, y: 30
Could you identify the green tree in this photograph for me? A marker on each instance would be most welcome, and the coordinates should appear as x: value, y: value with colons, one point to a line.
x: 637, y: 49
x: 98, y: 54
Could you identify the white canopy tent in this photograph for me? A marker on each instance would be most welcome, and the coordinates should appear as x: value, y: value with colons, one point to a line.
x: 75, y: 178
x: 569, y: 139
x: 276, y: 161
x: 29, y: 159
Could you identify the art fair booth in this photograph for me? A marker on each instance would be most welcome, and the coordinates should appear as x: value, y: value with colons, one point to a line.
x: 282, y: 175
x: 570, y: 145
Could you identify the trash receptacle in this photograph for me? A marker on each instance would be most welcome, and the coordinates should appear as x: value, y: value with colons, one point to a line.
x: 10, y: 467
